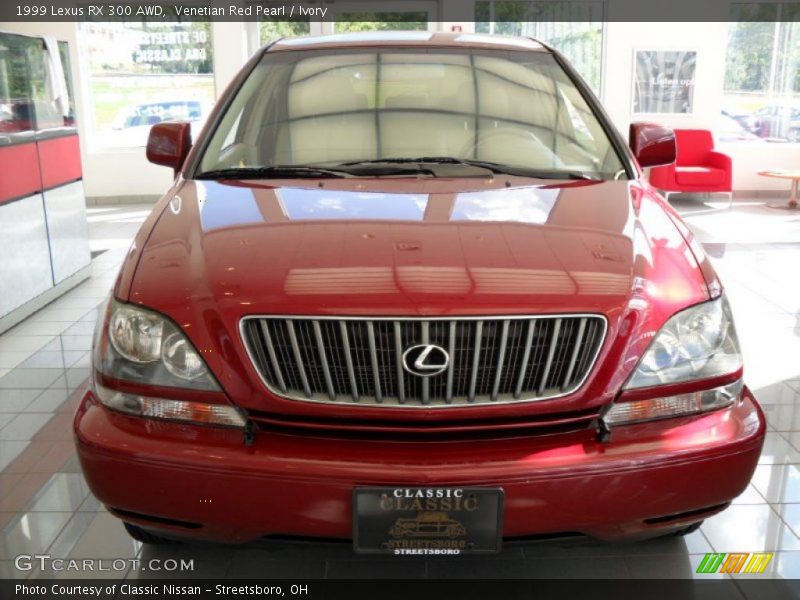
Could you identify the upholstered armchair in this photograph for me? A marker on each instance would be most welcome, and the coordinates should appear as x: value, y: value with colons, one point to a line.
x: 698, y: 167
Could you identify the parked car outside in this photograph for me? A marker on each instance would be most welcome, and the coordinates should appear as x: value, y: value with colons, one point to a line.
x: 777, y: 122
x: 732, y: 129
x: 132, y: 125
x: 155, y: 112
x: 406, y: 273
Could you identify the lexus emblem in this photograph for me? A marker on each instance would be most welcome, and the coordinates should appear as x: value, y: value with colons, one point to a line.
x: 425, y: 360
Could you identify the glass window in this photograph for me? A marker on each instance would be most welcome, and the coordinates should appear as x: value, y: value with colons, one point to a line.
x: 762, y: 74
x: 145, y: 73
x: 352, y: 19
x: 326, y: 108
x: 28, y: 98
x: 573, y: 27
x: 381, y: 21
x: 16, y: 83
x: 272, y: 30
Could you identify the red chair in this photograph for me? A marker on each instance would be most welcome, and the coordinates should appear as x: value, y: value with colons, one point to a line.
x: 698, y: 168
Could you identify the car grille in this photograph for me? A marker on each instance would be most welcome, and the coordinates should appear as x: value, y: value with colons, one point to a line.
x: 492, y: 360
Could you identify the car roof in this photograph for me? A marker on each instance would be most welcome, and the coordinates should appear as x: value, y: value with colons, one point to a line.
x: 406, y: 38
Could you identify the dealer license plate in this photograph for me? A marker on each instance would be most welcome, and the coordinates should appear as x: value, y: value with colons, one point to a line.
x: 427, y: 521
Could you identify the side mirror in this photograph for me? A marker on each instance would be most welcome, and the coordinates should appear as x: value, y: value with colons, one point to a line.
x: 169, y: 144
x: 652, y: 144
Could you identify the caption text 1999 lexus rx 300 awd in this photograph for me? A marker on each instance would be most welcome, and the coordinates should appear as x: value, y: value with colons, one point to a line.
x: 411, y: 289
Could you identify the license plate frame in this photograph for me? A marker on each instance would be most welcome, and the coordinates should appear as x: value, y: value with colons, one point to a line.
x: 425, y: 520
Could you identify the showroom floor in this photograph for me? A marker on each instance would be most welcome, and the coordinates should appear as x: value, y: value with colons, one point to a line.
x: 46, y: 508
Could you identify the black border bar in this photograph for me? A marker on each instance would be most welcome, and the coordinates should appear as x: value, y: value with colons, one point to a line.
x: 405, y: 589
x: 462, y: 11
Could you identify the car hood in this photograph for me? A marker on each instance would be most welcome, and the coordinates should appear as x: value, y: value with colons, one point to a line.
x: 345, y: 248
x: 413, y: 247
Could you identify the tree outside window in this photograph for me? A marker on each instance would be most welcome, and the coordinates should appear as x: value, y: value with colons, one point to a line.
x: 272, y: 30
x: 381, y: 21
x: 762, y: 71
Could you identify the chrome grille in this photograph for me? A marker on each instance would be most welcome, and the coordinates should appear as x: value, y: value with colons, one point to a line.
x: 492, y: 360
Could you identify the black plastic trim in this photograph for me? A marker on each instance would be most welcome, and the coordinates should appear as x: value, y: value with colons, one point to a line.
x: 153, y: 519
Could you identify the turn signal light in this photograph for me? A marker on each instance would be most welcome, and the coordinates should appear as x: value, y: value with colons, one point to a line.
x: 680, y: 405
x: 203, y: 413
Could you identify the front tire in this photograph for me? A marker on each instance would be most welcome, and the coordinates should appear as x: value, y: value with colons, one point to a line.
x: 144, y: 536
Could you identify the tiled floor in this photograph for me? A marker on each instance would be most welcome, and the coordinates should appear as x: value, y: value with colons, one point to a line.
x: 45, y: 506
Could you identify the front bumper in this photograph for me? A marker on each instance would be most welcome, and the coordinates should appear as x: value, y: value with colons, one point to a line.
x: 205, y: 483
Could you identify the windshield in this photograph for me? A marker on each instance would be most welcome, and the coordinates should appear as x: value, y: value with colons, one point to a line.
x: 336, y: 107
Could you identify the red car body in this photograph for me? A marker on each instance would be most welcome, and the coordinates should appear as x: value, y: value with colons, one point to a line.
x: 213, y: 252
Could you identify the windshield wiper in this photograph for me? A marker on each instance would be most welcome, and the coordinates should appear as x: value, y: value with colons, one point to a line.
x: 313, y: 171
x: 383, y: 167
x: 272, y: 172
x: 490, y: 166
x: 423, y: 160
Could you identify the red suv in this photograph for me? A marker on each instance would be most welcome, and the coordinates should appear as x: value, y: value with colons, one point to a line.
x: 401, y: 274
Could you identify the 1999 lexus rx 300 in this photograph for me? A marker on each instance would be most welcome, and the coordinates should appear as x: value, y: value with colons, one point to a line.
x: 412, y: 290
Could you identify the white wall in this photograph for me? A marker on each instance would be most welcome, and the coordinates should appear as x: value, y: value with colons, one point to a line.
x: 126, y: 172
x: 751, y: 157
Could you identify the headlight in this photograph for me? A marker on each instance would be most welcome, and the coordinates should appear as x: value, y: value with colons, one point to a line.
x: 180, y: 358
x: 143, y: 346
x: 697, y: 343
x: 136, y: 334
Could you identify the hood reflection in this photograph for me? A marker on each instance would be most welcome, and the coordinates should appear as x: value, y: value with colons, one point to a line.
x: 523, y: 205
x: 303, y: 205
x: 511, y: 242
x: 229, y: 204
